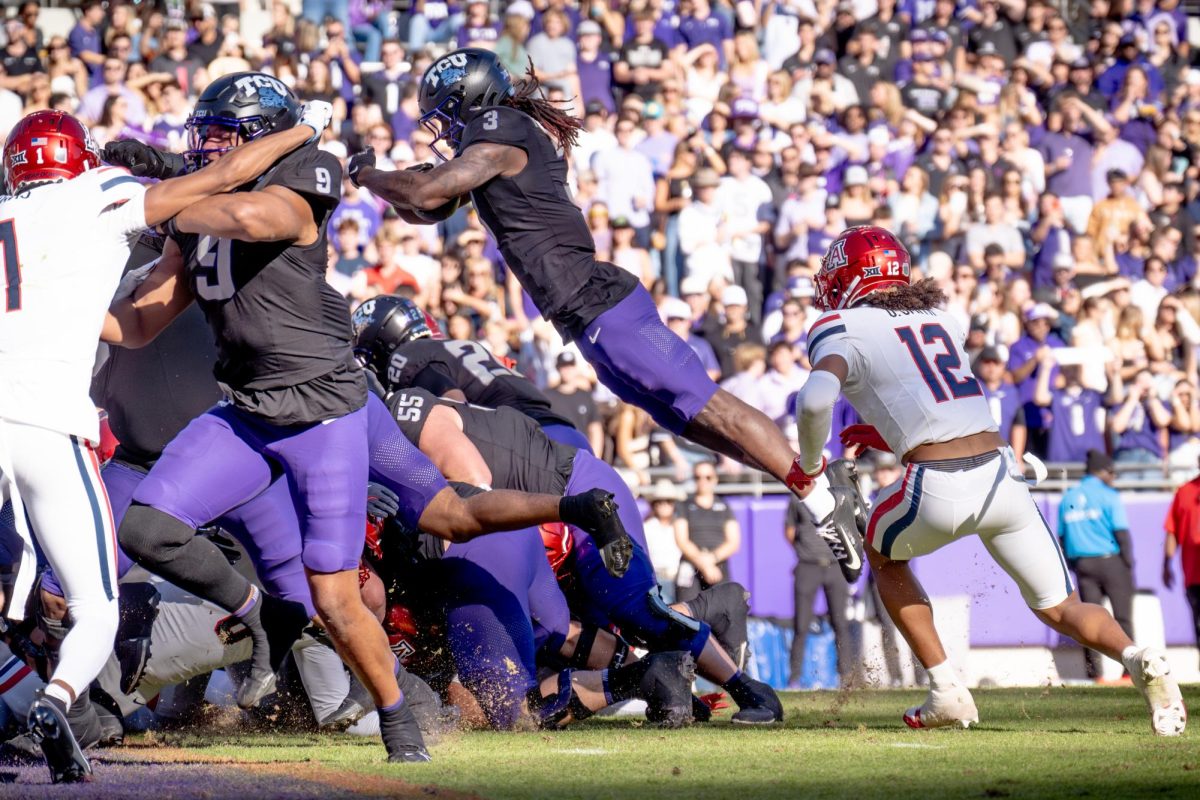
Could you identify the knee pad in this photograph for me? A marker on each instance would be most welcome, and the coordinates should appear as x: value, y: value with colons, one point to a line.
x: 550, y: 711
x: 151, y: 536
x: 725, y: 608
x: 664, y: 628
x: 583, y: 650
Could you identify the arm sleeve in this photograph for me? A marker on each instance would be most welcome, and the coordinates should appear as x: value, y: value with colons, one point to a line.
x: 814, y: 411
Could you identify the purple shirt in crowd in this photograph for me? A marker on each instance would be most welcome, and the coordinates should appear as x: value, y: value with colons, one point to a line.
x: 595, y: 80
x: 1036, y: 417
x: 1142, y: 433
x: 1005, y: 404
x: 1076, y: 425
x: 1076, y: 179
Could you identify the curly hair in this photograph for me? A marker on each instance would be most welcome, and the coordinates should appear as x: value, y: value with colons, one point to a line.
x: 526, y: 97
x: 923, y: 295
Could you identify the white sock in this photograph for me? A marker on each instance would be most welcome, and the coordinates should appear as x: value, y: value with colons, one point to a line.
x: 942, y: 676
x: 58, y: 692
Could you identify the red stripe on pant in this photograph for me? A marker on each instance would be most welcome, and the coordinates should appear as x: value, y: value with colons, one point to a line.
x: 888, y: 505
x: 22, y: 673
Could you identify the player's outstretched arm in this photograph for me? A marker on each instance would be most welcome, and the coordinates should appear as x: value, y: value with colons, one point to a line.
x: 426, y: 190
x: 457, y: 519
x: 274, y: 214
x: 237, y: 167
x: 135, y: 320
x: 814, y: 410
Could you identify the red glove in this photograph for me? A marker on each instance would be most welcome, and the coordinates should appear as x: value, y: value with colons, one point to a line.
x: 798, y: 480
x: 863, y: 436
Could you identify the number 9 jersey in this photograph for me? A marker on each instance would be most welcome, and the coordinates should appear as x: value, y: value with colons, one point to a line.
x: 908, y: 374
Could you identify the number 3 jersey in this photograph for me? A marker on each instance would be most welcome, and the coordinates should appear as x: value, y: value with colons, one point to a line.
x: 908, y: 374
x: 283, y: 334
x: 64, y: 248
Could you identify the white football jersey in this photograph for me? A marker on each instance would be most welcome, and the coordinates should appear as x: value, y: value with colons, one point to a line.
x: 908, y: 374
x: 63, y: 248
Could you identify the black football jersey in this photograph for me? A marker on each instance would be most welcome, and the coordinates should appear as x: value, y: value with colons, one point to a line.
x: 283, y: 334
x: 152, y: 392
x: 539, y: 229
x: 440, y: 365
x: 519, y: 454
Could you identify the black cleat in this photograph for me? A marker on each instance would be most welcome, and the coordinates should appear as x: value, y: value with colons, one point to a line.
x: 595, y: 512
x: 402, y: 736
x: 356, y: 706
x: 283, y: 622
x: 132, y: 655
x: 666, y: 687
x: 763, y: 708
x: 843, y: 529
x: 48, y: 727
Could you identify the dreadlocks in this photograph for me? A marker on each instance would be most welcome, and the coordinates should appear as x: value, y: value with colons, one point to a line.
x: 920, y: 296
x: 527, y: 98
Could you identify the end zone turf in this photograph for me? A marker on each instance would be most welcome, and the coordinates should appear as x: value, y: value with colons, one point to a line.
x: 1054, y: 743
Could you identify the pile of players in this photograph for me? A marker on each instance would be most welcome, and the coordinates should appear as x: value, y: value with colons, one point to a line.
x: 363, y: 499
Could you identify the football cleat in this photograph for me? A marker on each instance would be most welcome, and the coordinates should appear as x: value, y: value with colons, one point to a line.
x: 763, y: 709
x: 132, y: 656
x: 283, y: 622
x: 1151, y: 674
x: 402, y: 735
x: 843, y: 529
x: 47, y: 725
x: 943, y: 708
x: 666, y: 687
x: 356, y: 706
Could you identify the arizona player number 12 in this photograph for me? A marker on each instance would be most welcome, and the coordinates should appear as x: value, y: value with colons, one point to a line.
x: 947, y: 363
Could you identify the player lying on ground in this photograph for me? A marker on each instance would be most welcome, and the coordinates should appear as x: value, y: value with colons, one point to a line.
x: 509, y: 150
x: 898, y: 357
x: 506, y: 449
x: 47, y: 346
x: 490, y: 612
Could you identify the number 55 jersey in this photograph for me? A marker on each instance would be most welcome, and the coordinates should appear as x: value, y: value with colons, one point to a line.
x: 64, y: 247
x: 283, y: 334
x: 908, y: 374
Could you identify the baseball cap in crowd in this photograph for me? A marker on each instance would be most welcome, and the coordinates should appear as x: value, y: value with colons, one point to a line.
x: 824, y: 56
x: 979, y: 322
x: 566, y: 359
x: 1064, y: 261
x: 883, y: 460
x: 986, y: 48
x: 589, y: 27
x: 941, y: 37
x: 1040, y: 311
x: 621, y: 222
x: 918, y: 35
x: 734, y: 296
x: 653, y: 109
x: 693, y: 284
x: 206, y: 11
x: 674, y: 308
x: 991, y: 354
x: 1083, y: 62
x: 1114, y: 175
x: 705, y: 178
x: 800, y: 286
x: 595, y: 107
x: 743, y: 108
x: 856, y: 176
x: 879, y: 135
x: 1126, y: 40
x: 1099, y: 461
x: 520, y: 8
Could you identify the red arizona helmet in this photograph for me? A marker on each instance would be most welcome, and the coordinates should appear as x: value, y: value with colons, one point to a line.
x: 47, y: 146
x: 861, y: 260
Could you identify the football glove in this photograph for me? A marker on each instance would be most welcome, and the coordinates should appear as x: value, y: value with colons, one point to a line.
x: 358, y: 162
x: 144, y: 161
x: 863, y: 436
x: 382, y: 502
x: 316, y: 114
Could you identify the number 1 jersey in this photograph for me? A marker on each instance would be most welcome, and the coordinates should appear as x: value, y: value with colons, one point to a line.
x: 64, y: 247
x: 908, y: 374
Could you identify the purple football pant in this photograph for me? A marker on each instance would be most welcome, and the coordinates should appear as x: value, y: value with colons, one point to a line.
x: 623, y: 602
x: 224, y: 458
x: 503, y: 606
x: 645, y: 364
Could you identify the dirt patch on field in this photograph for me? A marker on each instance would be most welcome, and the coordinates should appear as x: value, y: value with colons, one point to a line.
x: 171, y: 773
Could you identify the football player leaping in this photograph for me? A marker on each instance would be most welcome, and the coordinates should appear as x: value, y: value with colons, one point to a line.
x: 57, y: 287
x: 899, y: 359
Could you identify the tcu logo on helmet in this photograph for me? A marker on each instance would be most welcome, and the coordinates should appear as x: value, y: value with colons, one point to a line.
x: 251, y: 84
x: 363, y: 316
x: 450, y: 70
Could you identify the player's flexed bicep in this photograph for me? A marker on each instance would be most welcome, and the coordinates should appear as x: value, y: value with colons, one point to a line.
x: 135, y: 320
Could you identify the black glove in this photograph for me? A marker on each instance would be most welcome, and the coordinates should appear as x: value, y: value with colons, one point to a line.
x: 358, y: 162
x: 382, y: 502
x: 595, y: 512
x: 373, y: 384
x: 143, y: 160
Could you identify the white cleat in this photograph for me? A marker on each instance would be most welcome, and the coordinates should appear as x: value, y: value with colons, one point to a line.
x: 944, y: 707
x: 1151, y: 673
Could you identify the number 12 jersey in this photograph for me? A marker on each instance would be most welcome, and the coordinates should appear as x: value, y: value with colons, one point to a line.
x: 908, y: 374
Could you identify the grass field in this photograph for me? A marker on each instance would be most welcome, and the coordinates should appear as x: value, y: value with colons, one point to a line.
x: 1054, y: 743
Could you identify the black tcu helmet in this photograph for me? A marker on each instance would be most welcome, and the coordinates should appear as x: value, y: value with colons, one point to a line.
x: 250, y: 103
x: 382, y: 324
x: 456, y: 88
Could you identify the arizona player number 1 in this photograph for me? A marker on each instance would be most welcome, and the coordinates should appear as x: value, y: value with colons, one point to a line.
x: 946, y: 362
x: 12, y: 266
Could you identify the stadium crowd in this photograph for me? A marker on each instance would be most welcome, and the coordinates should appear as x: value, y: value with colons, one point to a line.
x: 1041, y: 160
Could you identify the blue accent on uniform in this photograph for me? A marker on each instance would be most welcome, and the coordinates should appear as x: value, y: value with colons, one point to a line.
x: 897, y: 527
x: 820, y: 337
x: 1061, y: 560
x: 117, y: 181
x: 97, y: 516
